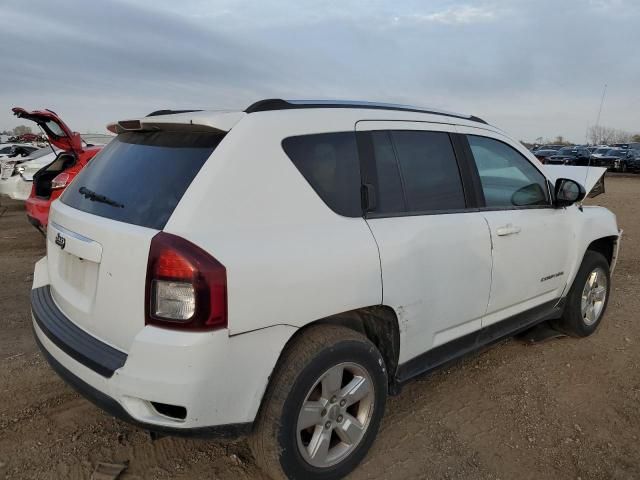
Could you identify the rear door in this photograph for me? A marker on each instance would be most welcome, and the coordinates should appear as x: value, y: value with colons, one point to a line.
x: 531, y: 239
x: 101, y: 228
x: 435, y: 251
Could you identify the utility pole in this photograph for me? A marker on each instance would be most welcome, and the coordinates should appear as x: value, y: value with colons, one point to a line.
x: 604, y: 91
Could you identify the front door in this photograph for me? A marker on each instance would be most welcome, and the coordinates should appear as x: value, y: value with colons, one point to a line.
x: 531, y: 239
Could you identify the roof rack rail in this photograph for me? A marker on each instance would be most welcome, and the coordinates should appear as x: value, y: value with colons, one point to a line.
x: 280, y: 104
x: 170, y: 112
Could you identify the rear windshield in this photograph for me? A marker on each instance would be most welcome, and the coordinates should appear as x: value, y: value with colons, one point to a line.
x: 139, y: 178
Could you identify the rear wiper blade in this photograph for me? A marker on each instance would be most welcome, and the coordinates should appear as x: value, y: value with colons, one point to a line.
x: 96, y: 197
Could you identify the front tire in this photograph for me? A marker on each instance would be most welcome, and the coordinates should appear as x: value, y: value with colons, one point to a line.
x: 323, y: 407
x: 588, y: 297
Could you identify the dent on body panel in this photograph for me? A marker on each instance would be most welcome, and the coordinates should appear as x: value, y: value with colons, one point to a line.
x: 403, y: 312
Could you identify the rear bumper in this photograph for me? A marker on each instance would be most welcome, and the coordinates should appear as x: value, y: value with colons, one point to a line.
x: 216, y: 379
x: 38, y: 211
x: 103, y: 359
x: 15, y: 187
x: 7, y: 185
x: 114, y: 408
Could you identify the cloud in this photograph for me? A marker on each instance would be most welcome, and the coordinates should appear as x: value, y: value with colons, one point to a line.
x: 458, y: 15
x: 534, y: 68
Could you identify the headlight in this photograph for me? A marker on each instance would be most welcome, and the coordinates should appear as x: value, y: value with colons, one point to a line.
x: 20, y: 170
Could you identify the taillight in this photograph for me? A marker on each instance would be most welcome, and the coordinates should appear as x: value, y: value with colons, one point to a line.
x: 60, y: 181
x: 186, y: 287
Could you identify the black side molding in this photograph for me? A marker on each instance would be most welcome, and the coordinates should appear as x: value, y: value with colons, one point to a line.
x: 112, y: 407
x: 75, y: 342
x: 473, y: 342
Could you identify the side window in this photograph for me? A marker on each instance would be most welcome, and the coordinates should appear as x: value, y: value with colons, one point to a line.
x: 508, y: 178
x: 429, y: 170
x: 329, y: 162
x: 390, y: 198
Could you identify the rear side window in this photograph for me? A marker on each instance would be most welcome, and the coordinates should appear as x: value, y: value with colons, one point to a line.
x: 428, y: 172
x: 329, y: 162
x: 139, y: 178
x: 390, y: 198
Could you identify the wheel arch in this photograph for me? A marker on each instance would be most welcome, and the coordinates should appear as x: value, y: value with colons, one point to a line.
x: 605, y: 246
x: 379, y: 323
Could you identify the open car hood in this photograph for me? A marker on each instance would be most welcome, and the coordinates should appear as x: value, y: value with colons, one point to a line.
x: 59, y: 134
x: 591, y: 178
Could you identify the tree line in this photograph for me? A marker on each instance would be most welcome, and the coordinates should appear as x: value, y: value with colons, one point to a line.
x: 19, y: 130
x: 601, y: 135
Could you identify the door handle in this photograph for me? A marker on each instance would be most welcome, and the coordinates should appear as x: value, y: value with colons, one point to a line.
x: 508, y: 230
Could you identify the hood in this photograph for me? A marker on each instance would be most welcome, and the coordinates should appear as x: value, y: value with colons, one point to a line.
x: 58, y: 133
x: 591, y: 178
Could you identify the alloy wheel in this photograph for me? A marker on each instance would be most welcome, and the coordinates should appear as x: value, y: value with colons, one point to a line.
x: 335, y: 415
x: 594, y: 296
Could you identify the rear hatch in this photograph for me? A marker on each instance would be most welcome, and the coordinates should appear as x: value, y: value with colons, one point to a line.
x: 99, y: 233
x: 58, y: 133
x: 60, y: 136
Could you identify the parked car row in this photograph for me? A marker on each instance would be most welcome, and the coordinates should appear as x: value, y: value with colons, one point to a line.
x: 620, y: 157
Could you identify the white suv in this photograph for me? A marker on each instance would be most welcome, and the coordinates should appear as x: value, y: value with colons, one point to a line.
x: 278, y: 271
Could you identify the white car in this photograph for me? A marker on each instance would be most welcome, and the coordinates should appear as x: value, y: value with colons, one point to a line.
x: 8, y: 149
x: 16, y: 174
x: 279, y: 271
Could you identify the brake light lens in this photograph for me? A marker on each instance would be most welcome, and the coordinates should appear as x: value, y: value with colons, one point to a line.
x: 60, y: 181
x: 186, y: 288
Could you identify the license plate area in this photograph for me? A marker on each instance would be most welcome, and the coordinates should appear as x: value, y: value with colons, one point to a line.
x: 74, y: 266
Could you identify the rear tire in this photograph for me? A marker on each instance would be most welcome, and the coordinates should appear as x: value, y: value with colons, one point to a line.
x: 340, y: 378
x: 588, y: 297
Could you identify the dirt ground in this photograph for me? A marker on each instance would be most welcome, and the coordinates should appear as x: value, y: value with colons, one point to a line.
x: 565, y: 408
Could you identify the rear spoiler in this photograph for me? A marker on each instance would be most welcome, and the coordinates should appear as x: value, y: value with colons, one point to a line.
x: 591, y: 178
x: 218, y: 122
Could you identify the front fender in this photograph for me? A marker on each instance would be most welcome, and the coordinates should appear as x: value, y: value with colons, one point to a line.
x: 593, y: 223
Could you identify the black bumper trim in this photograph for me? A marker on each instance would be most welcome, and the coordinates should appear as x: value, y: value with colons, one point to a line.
x: 75, y: 342
x: 111, y: 406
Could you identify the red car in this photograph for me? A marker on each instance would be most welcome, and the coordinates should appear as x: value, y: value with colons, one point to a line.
x: 50, y: 182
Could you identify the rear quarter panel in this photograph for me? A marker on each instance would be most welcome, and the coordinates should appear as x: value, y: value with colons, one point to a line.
x: 289, y: 258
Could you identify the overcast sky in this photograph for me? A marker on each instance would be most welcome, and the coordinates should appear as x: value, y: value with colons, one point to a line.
x: 532, y: 67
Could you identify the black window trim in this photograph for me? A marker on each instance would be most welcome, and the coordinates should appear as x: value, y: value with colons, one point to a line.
x: 482, y: 207
x: 369, y: 176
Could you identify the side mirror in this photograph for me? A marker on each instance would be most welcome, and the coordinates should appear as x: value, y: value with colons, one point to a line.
x: 567, y: 192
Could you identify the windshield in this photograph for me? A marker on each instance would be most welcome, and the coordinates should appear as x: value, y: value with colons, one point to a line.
x: 139, y: 178
x: 602, y: 150
x: 615, y: 153
x: 39, y: 153
x: 568, y: 151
